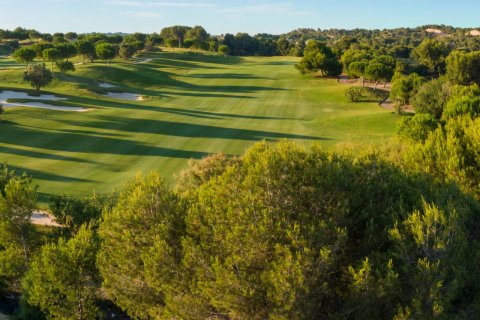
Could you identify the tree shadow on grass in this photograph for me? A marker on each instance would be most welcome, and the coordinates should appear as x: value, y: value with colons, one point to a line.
x: 230, y: 76
x: 166, y: 80
x: 105, y: 134
x: 194, y: 58
x: 94, y: 144
x: 87, y: 102
x: 48, y: 176
x: 43, y: 155
x: 90, y: 143
x: 278, y: 63
x: 190, y: 130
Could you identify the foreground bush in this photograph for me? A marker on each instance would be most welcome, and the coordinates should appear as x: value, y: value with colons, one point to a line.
x: 417, y: 127
x: 451, y: 154
x: 289, y: 234
x: 62, y: 279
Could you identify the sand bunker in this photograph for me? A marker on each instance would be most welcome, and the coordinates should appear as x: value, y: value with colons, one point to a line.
x: 125, y: 96
x: 106, y: 85
x: 6, y: 95
x: 42, y: 218
x: 143, y: 61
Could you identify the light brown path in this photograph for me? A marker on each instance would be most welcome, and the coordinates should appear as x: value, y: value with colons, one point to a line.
x: 386, y: 103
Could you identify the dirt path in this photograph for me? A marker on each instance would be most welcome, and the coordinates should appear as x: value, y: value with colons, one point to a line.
x: 385, y: 103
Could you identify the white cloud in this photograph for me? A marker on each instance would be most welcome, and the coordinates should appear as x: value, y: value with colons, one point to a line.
x: 142, y: 14
x: 267, y: 8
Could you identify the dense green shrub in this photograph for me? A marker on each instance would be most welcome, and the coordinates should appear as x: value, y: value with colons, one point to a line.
x: 451, y: 154
x: 417, y: 127
x: 65, y: 66
x: 354, y: 94
x: 73, y: 212
x: 432, y: 97
x: 63, y: 280
x: 464, y: 100
x: 290, y: 234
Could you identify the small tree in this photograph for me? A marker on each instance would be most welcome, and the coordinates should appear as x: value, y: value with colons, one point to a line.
x: 127, y: 50
x: 403, y: 88
x: 38, y: 76
x: 39, y: 47
x: 65, y: 66
x: 51, y: 54
x: 85, y: 48
x: 24, y: 55
x: 171, y: 43
x: 356, y: 69
x: 354, y: 94
x: 106, y: 52
x: 67, y: 50
x: 318, y: 57
x: 377, y: 71
x: 225, y: 50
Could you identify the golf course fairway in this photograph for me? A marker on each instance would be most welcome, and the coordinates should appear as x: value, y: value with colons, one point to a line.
x: 192, y: 105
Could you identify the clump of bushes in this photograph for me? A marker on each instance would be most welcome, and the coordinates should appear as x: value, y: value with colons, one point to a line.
x: 354, y: 94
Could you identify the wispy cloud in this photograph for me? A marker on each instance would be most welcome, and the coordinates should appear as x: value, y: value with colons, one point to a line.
x: 159, y: 4
x: 266, y: 8
x: 142, y: 14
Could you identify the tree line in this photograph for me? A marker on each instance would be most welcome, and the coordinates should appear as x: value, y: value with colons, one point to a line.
x: 398, y: 42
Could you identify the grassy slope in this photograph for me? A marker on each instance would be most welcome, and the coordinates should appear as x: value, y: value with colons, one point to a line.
x: 196, y: 105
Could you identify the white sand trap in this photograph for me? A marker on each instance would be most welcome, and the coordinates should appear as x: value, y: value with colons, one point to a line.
x: 106, y: 85
x: 142, y: 61
x: 7, y: 94
x: 42, y: 218
x: 125, y: 96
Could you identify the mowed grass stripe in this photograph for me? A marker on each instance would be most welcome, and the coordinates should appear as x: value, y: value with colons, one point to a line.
x: 195, y: 105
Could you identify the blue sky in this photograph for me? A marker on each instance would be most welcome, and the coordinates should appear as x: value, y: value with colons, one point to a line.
x: 253, y: 16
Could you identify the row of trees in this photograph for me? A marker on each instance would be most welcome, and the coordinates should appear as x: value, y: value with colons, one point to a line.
x: 428, y: 59
x: 60, y: 54
x: 399, y: 43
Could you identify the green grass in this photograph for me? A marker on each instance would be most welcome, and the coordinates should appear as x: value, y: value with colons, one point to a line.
x: 195, y: 105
